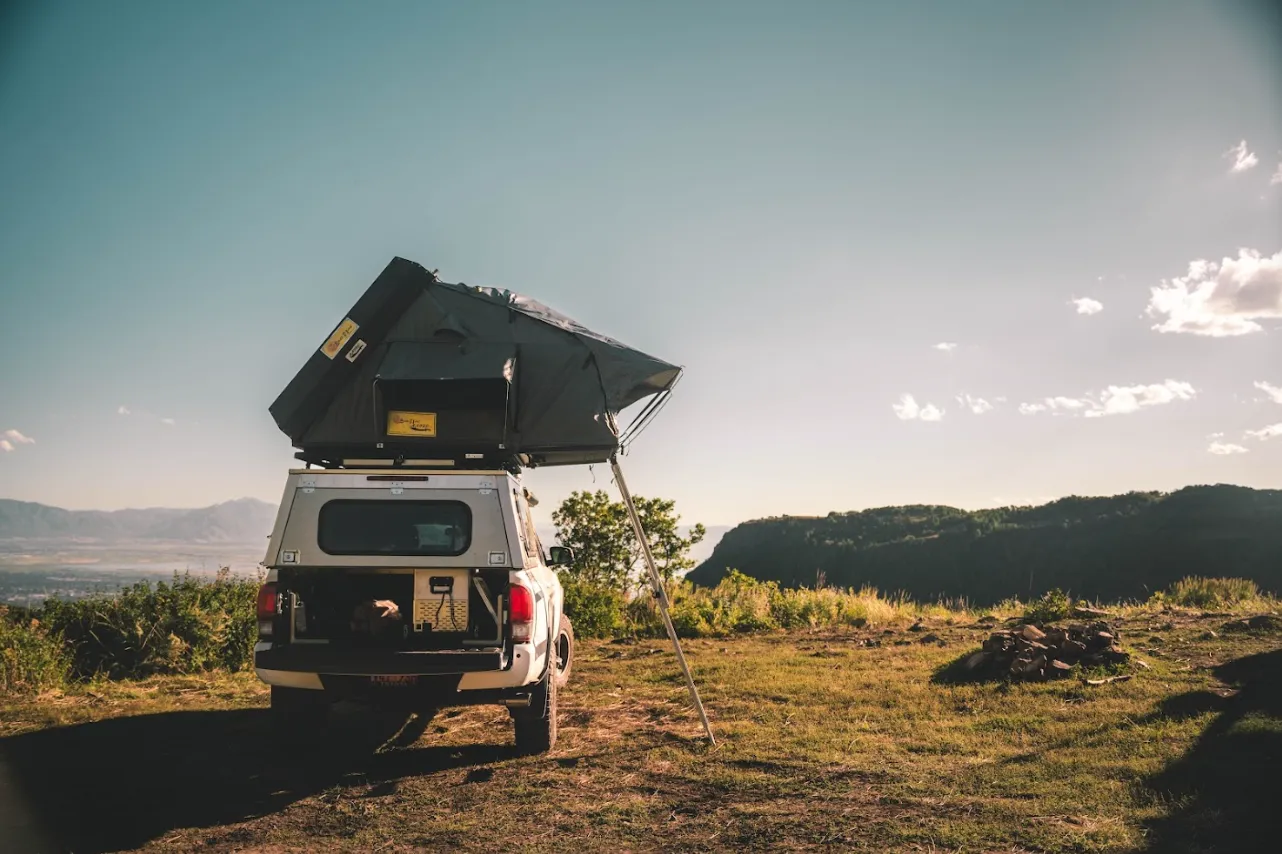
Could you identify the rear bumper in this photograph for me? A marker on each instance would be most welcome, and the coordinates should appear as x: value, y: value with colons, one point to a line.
x: 323, y: 660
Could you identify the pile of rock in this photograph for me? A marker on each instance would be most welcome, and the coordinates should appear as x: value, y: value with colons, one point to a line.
x: 1029, y: 652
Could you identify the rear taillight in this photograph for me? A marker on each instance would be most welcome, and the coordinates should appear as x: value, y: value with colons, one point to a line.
x: 520, y: 609
x: 267, y: 606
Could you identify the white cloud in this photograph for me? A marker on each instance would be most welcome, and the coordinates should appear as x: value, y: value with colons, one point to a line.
x: 1123, y: 400
x: 1266, y: 433
x: 1220, y: 300
x: 1048, y: 404
x: 169, y: 422
x: 1216, y: 436
x: 123, y: 410
x: 1086, y: 305
x: 1069, y: 403
x: 1114, y: 400
x: 946, y: 346
x: 1223, y: 449
x: 1274, y: 393
x: 10, y: 439
x: 1243, y: 158
x: 1277, y: 175
x: 907, y: 409
x: 976, y: 405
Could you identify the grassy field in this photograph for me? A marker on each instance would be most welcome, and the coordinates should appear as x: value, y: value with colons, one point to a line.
x: 828, y: 741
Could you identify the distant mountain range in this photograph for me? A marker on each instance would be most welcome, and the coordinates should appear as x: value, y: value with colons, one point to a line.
x: 1124, y: 546
x: 245, y: 520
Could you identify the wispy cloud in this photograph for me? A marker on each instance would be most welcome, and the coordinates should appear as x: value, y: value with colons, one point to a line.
x: 1242, y: 157
x: 1055, y: 404
x: 1220, y: 300
x: 1086, y: 305
x: 907, y: 409
x: 1114, y: 400
x: 946, y: 346
x: 1277, y: 175
x: 148, y: 416
x: 976, y: 405
x: 1274, y: 393
x: 1123, y: 400
x: 1224, y: 449
x: 1266, y: 433
x: 11, y: 439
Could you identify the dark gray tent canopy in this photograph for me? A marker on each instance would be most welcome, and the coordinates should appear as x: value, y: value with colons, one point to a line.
x: 425, y: 370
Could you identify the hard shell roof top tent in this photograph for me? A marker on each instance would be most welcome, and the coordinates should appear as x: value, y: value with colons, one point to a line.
x: 422, y: 372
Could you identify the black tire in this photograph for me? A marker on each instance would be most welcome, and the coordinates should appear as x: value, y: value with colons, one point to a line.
x: 535, y: 725
x: 299, y: 712
x: 564, y: 652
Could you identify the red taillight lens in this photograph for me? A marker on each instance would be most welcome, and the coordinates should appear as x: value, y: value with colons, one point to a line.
x: 267, y: 602
x: 520, y: 609
x: 266, y: 609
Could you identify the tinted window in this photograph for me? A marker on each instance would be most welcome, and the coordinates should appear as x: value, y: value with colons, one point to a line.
x: 356, y: 527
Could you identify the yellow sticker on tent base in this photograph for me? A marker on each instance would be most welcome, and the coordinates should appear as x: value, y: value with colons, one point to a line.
x: 400, y: 423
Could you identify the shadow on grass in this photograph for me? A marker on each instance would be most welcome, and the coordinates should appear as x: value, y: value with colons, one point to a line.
x: 122, y: 782
x: 969, y: 668
x: 1226, y: 787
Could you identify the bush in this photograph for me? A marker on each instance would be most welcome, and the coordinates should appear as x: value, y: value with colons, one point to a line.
x: 1053, y: 605
x: 186, y: 626
x: 1195, y: 592
x: 596, y: 610
x: 32, y: 658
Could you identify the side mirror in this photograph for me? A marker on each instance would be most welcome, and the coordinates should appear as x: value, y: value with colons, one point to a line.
x: 560, y: 556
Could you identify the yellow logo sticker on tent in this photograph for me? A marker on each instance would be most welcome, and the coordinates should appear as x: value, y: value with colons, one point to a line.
x: 401, y: 423
x: 341, y: 335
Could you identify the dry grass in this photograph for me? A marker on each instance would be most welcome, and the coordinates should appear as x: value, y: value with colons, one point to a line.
x: 826, y: 742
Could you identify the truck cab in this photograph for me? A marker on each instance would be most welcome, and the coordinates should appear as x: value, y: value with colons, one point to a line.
x: 415, y: 589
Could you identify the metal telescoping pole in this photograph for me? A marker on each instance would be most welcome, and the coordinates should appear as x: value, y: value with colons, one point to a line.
x: 657, y: 583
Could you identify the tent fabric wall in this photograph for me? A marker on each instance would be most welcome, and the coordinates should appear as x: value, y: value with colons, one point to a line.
x: 568, y: 382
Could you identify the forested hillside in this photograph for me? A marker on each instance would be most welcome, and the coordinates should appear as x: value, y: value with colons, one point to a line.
x: 1110, y: 548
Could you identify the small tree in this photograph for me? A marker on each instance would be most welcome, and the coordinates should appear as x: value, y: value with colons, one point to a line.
x: 606, y: 550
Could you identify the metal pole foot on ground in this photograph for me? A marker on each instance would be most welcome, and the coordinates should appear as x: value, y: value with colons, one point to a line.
x: 661, y: 594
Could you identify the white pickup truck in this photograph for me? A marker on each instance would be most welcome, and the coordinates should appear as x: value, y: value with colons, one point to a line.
x: 412, y: 588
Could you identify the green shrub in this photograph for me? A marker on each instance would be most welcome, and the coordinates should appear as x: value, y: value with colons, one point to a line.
x: 1195, y: 592
x: 1053, y: 605
x: 597, y: 611
x: 32, y: 658
x: 186, y: 626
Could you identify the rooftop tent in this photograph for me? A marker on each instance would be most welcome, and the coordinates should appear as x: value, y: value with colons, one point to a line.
x: 421, y: 369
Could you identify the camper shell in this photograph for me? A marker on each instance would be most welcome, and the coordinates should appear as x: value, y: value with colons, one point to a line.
x: 413, y: 588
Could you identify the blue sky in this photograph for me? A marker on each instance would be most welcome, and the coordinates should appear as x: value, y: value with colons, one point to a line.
x: 796, y: 201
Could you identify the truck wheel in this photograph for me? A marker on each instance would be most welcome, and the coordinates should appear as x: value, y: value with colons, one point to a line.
x: 536, y: 724
x: 564, y: 652
x: 298, y: 711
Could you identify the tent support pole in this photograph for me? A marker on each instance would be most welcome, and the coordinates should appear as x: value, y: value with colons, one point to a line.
x: 661, y: 594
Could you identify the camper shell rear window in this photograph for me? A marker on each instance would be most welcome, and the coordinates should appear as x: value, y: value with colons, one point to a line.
x: 410, y: 528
